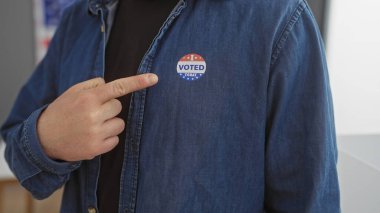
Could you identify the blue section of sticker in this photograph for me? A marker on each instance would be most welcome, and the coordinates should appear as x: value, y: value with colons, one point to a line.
x: 190, y: 77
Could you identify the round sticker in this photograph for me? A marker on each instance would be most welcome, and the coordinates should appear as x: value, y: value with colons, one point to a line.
x: 191, y: 67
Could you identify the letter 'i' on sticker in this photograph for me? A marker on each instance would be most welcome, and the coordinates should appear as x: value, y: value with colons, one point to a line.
x: 191, y: 67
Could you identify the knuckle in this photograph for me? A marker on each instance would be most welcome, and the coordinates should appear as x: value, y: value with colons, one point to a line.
x: 119, y: 124
x: 118, y: 104
x: 92, y: 133
x: 141, y: 82
x: 92, y: 118
x: 122, y: 125
x: 93, y: 150
x: 86, y: 97
x: 119, y: 88
x: 112, y: 142
x: 90, y: 157
x: 117, y: 139
x: 100, y: 81
x: 119, y: 130
x: 96, y: 82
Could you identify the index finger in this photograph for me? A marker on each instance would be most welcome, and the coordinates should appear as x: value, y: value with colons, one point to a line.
x: 124, y: 86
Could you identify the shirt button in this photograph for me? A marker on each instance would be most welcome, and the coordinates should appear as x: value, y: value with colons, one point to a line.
x: 91, y: 210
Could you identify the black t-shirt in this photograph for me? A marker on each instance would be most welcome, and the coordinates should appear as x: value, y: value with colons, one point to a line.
x: 136, y: 24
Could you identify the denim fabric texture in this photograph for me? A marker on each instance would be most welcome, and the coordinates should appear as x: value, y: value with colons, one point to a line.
x: 255, y: 133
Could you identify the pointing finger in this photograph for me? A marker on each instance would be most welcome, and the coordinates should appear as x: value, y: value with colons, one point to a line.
x: 124, y: 86
x: 89, y: 84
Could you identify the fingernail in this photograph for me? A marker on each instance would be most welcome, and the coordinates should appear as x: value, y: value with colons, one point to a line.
x: 153, y: 78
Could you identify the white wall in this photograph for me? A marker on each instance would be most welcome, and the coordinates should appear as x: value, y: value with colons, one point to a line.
x: 359, y: 173
x: 354, y: 60
x: 353, y: 51
x: 5, y: 172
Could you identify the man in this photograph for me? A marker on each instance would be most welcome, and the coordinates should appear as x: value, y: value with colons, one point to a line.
x: 240, y: 121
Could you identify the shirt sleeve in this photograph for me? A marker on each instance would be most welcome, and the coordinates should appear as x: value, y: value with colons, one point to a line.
x: 32, y: 167
x: 301, y: 152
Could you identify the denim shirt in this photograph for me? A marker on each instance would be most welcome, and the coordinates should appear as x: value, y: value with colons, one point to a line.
x: 240, y: 121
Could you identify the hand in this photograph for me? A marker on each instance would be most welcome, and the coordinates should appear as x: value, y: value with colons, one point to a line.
x: 81, y: 123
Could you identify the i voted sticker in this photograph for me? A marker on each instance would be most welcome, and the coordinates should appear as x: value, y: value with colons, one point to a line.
x: 191, y: 67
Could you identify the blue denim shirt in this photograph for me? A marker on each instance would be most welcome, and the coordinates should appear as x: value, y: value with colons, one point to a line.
x: 251, y: 130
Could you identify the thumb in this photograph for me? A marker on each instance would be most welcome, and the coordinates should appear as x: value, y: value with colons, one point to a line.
x: 89, y: 84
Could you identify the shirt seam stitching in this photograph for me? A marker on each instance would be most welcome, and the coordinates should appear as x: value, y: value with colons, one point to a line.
x: 286, y: 31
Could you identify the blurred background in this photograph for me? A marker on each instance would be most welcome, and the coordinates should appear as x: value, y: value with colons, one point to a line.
x: 351, y: 30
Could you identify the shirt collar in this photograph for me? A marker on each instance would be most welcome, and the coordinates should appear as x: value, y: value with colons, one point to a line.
x: 95, y: 5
